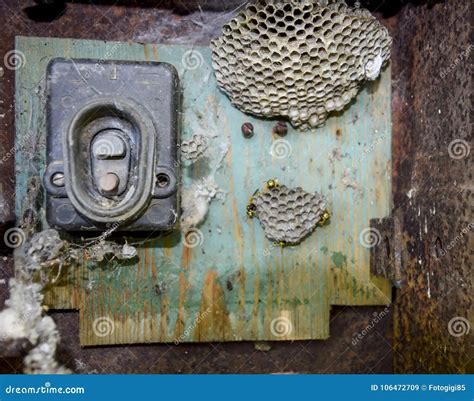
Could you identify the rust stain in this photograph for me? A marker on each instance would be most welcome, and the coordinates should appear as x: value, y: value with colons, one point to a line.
x: 237, y: 227
x: 164, y: 309
x: 239, y: 236
x: 148, y: 257
x: 180, y: 321
x: 154, y: 272
x: 256, y: 302
x: 242, y: 278
x: 146, y: 52
x: 167, y: 247
x: 269, y: 303
x: 235, y: 210
x: 279, y: 282
x: 186, y: 257
x: 152, y: 321
x: 155, y: 53
x: 213, y: 320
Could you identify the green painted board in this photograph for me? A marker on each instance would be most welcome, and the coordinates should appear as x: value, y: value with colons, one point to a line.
x: 234, y: 284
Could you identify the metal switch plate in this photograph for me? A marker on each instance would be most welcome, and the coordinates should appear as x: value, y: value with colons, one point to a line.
x: 112, y: 145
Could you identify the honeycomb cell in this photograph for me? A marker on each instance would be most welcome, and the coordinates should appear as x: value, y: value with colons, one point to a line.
x: 290, y: 46
x: 288, y: 215
x: 194, y: 148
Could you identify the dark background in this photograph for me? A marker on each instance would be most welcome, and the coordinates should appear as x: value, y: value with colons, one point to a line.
x: 428, y: 113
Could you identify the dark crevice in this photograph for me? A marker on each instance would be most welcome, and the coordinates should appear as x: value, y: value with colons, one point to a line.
x: 438, y: 248
x: 392, y: 7
x: 394, y: 294
x: 45, y: 10
x: 387, y: 247
x: 49, y: 10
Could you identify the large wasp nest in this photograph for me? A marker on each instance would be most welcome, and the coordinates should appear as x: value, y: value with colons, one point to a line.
x: 289, y: 215
x: 298, y: 59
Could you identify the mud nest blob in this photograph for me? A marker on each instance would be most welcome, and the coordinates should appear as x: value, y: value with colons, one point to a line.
x: 298, y: 60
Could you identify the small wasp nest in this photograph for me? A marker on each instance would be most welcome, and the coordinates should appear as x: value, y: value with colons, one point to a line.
x: 194, y: 148
x: 288, y: 215
x: 298, y: 59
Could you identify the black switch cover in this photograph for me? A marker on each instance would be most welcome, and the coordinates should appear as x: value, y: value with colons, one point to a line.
x: 112, y: 145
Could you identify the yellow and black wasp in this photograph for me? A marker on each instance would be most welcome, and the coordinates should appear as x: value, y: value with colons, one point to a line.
x: 325, y: 217
x: 273, y: 183
x: 251, y: 208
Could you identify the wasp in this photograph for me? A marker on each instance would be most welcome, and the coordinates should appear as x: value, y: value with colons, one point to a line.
x: 273, y: 183
x: 325, y: 217
x: 251, y: 209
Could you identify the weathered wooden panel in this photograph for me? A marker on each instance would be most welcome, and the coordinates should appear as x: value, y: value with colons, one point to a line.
x: 234, y: 284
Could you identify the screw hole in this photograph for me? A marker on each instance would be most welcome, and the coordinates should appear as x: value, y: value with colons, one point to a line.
x: 162, y: 180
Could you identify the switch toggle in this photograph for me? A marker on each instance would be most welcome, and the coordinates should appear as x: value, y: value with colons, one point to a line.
x: 111, y: 157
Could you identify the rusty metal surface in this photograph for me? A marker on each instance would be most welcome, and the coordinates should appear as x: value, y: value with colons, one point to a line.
x: 432, y: 186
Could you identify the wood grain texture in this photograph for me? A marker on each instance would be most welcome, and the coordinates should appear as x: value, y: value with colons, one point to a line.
x: 234, y: 284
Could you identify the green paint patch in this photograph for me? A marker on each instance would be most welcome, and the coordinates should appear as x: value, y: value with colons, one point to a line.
x: 339, y: 259
x: 324, y: 249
